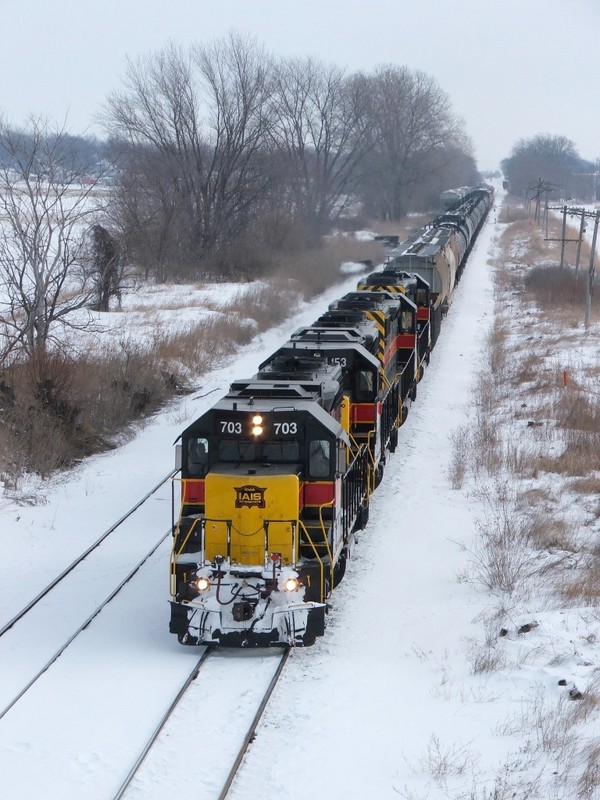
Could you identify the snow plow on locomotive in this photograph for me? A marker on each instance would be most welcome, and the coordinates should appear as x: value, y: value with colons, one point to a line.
x: 275, y: 479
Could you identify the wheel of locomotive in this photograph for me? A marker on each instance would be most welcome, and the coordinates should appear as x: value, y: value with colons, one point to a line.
x: 378, y: 475
x: 362, y: 517
x: 340, y: 568
x: 393, y: 440
x: 413, y: 392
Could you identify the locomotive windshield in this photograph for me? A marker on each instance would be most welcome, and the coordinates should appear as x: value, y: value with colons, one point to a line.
x: 235, y: 450
x: 276, y: 452
x: 259, y: 452
x: 364, y: 386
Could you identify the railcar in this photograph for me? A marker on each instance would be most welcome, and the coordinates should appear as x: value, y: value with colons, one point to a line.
x: 439, y: 251
x: 454, y: 197
x: 274, y: 480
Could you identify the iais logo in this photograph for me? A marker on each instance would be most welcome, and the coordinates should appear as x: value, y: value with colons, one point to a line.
x: 249, y: 496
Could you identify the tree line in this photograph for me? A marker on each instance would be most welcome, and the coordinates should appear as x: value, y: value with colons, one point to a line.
x: 554, y: 160
x: 227, y: 153
x: 218, y: 159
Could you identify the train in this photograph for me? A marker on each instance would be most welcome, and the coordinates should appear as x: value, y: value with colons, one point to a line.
x: 273, y: 482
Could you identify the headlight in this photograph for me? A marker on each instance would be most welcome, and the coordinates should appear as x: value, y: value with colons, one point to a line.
x: 202, y: 584
x: 291, y: 584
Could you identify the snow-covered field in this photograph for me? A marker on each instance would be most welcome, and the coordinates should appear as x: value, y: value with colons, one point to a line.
x: 391, y: 702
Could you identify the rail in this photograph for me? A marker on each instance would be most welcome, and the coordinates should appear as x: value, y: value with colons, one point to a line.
x: 82, y: 627
x: 47, y: 589
x: 165, y: 718
x: 253, y: 726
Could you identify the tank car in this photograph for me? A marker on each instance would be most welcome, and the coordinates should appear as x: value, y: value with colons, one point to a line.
x: 438, y: 252
x: 453, y: 197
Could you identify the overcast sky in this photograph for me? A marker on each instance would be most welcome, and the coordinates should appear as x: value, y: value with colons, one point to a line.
x: 512, y: 68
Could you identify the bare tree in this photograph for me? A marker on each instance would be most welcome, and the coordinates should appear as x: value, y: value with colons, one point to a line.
x: 553, y: 158
x: 201, y: 115
x: 44, y: 211
x: 106, y: 267
x: 414, y: 135
x: 320, y: 127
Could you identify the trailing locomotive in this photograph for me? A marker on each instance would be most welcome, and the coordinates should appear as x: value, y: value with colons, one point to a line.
x: 275, y: 479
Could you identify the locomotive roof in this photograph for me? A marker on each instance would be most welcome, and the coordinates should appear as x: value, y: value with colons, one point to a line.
x: 350, y: 319
x: 318, y: 334
x: 317, y: 348
x: 297, y: 400
x: 367, y: 301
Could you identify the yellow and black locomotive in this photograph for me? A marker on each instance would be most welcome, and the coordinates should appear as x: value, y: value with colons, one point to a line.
x: 275, y: 479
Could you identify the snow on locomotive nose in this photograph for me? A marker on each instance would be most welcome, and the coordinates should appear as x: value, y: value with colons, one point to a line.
x: 251, y: 592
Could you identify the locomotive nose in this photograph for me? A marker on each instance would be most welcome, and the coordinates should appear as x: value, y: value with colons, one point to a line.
x: 252, y: 516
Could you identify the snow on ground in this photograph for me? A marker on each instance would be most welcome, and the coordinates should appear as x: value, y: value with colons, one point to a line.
x: 390, y: 702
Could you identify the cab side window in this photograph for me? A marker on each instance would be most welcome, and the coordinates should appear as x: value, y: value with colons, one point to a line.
x: 407, y: 321
x: 319, y: 458
x: 197, y: 457
x: 365, y: 387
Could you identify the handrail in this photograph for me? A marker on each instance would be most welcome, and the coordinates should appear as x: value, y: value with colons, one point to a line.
x: 326, y: 538
x: 185, y: 541
x: 384, y: 376
x: 315, y: 551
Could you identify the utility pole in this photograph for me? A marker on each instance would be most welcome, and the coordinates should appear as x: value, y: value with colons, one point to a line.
x: 539, y: 189
x: 590, y: 281
x: 572, y: 212
x: 563, y: 237
x: 546, y: 212
x: 583, y: 214
x: 581, y: 232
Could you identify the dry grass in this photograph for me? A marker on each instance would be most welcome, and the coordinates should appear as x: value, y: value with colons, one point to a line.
x: 584, y: 586
x: 588, y: 485
x: 553, y: 287
x: 580, y: 456
x: 501, y: 559
x: 548, y: 532
x: 444, y: 761
x: 316, y: 270
x: 578, y: 410
x: 538, y: 538
x: 462, y: 444
x: 589, y: 782
x: 266, y: 305
x: 513, y: 212
x: 58, y: 409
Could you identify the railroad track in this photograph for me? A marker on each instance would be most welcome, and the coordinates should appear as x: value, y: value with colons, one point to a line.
x: 61, y: 611
x: 196, y: 699
x: 93, y: 681
x: 71, y: 638
x: 74, y: 564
